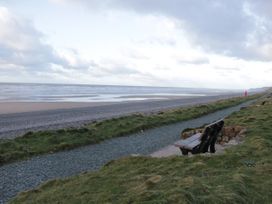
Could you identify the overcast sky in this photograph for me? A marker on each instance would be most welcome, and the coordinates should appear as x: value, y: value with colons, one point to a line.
x: 185, y: 43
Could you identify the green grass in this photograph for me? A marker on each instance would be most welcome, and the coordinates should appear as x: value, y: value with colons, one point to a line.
x: 35, y: 143
x: 242, y: 175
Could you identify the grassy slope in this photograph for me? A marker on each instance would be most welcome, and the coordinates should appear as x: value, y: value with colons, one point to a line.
x: 242, y: 175
x: 52, y: 141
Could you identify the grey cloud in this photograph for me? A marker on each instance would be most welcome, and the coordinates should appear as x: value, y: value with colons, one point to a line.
x: 217, y: 25
x: 262, y: 7
x: 30, y: 59
x: 21, y: 45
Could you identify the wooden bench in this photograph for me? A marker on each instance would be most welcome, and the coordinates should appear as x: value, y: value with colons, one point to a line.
x: 201, y: 142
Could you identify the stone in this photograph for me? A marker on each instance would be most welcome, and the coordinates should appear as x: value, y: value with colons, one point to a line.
x: 227, y: 134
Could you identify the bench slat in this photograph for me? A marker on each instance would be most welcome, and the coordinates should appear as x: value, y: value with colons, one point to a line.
x: 193, y: 139
x: 191, y: 145
x: 214, y: 123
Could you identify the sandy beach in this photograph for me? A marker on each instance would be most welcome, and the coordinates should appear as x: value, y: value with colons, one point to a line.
x: 21, y: 117
x: 21, y: 107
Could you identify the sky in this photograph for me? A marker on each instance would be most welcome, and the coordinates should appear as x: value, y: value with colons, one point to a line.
x: 181, y: 43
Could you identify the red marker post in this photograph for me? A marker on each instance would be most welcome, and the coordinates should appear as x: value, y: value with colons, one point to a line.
x: 246, y: 94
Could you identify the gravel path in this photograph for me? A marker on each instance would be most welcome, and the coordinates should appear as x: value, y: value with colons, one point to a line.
x: 16, y: 124
x: 28, y: 174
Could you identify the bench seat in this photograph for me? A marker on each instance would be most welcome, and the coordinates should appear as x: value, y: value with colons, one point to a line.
x: 190, y: 142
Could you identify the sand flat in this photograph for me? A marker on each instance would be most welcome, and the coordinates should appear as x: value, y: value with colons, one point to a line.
x: 21, y: 107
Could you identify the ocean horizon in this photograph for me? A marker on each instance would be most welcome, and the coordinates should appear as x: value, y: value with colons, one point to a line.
x: 33, y: 92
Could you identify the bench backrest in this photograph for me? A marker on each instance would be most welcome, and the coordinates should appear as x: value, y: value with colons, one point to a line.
x: 210, y: 134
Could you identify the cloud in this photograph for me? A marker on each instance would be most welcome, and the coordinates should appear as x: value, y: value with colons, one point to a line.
x: 113, y: 69
x: 156, y: 42
x: 227, y: 69
x: 262, y: 7
x: 162, y: 41
x: 22, y: 47
x: 196, y: 61
x: 233, y: 27
x: 21, y: 44
x: 23, y: 50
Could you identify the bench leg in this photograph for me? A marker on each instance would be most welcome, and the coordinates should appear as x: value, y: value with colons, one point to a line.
x: 212, y: 146
x: 184, y: 151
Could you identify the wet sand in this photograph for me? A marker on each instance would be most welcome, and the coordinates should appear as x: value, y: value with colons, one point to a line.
x: 22, y: 107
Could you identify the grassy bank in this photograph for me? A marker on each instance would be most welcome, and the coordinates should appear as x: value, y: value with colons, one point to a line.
x: 242, y: 175
x: 57, y: 140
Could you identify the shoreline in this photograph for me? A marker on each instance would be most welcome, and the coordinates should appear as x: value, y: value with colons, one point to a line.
x: 11, y: 107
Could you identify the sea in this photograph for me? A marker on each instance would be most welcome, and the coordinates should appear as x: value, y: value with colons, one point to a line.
x: 23, y: 92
